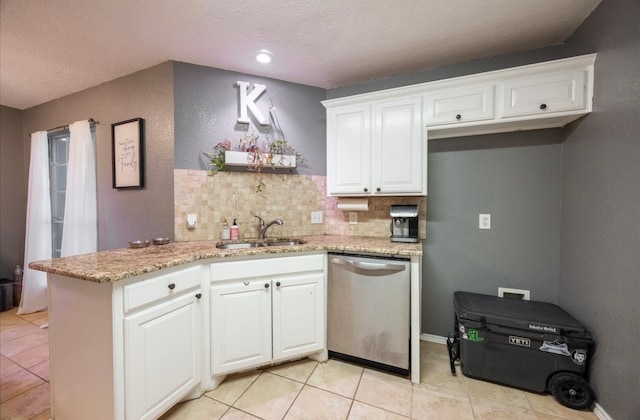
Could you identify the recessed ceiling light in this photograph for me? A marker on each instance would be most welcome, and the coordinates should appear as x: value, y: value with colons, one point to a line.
x: 264, y: 56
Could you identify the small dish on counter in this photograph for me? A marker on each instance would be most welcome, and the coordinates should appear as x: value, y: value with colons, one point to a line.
x: 139, y: 244
x: 161, y: 241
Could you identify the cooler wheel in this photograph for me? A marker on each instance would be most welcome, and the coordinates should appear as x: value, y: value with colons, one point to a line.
x: 571, y: 390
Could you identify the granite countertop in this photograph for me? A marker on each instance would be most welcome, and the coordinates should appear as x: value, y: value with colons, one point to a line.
x: 119, y: 264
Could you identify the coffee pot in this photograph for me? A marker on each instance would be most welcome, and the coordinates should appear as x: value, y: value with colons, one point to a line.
x: 404, y: 223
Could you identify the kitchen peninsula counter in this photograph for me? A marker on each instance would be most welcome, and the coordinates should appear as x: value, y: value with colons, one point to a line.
x: 119, y: 264
x: 135, y: 331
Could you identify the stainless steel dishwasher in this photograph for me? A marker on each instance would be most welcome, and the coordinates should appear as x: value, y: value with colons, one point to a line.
x: 368, y: 316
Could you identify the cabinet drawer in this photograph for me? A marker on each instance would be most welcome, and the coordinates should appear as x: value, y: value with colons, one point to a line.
x: 233, y: 270
x: 459, y: 105
x: 544, y: 93
x: 160, y: 286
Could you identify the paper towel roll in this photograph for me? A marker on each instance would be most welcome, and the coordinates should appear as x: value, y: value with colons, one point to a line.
x: 353, y: 204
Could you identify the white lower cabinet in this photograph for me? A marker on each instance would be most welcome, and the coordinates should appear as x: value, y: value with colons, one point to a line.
x: 162, y: 341
x: 134, y: 348
x: 130, y: 349
x: 240, y: 325
x: 162, y: 355
x: 265, y: 311
x: 298, y: 315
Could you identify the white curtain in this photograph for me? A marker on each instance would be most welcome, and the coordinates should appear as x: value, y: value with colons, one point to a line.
x: 80, y: 230
x: 38, y: 230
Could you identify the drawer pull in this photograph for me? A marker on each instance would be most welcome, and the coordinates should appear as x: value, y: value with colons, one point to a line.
x: 278, y: 284
x: 172, y: 286
x: 543, y: 106
x: 246, y: 283
x: 266, y: 285
x: 198, y: 295
x: 458, y: 117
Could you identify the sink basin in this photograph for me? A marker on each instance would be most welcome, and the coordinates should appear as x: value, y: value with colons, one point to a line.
x: 259, y: 244
x: 285, y: 242
x: 238, y: 245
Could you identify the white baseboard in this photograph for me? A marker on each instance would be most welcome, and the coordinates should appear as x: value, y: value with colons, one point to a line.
x: 600, y: 413
x: 597, y: 409
x: 433, y: 338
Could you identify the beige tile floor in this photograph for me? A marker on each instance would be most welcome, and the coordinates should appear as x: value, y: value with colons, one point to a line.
x: 24, y: 366
x: 303, y: 389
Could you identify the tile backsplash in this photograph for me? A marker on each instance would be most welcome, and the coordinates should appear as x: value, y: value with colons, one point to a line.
x: 291, y: 197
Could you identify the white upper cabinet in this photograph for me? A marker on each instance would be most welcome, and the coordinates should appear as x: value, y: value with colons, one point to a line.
x: 376, y: 148
x: 542, y: 95
x: 546, y: 93
x: 349, y: 149
x: 399, y: 161
x: 459, y: 105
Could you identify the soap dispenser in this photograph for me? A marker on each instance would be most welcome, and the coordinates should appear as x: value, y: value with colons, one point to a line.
x: 226, y: 232
x: 234, y: 230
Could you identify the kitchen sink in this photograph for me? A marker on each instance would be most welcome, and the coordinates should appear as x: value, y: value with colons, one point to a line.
x: 238, y: 245
x: 285, y: 242
x: 257, y: 243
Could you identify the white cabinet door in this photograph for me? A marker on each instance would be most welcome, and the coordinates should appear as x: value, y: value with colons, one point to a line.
x: 240, y: 325
x: 544, y: 94
x: 398, y: 162
x: 459, y: 105
x: 349, y: 150
x: 376, y: 148
x: 298, y: 315
x: 162, y: 355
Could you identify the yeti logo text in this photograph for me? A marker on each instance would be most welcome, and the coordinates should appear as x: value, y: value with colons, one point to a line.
x: 519, y: 341
x: 248, y: 101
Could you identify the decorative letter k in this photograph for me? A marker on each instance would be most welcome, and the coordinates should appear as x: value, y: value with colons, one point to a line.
x: 247, y: 101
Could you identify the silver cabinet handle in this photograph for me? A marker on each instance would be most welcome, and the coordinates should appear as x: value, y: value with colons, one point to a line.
x: 369, y: 266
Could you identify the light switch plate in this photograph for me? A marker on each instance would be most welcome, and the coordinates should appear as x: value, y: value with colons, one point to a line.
x: 316, y: 217
x: 353, y: 218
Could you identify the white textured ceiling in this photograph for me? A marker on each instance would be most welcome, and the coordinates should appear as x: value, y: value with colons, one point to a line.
x: 49, y: 49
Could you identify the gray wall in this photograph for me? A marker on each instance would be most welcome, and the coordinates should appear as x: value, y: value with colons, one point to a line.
x: 516, y: 178
x: 13, y: 190
x: 455, y: 70
x: 600, y: 262
x: 124, y: 215
x: 206, y: 110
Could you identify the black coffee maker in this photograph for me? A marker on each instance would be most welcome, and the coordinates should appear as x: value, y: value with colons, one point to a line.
x: 404, y: 223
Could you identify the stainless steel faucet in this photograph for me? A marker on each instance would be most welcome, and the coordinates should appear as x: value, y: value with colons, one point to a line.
x: 263, y: 227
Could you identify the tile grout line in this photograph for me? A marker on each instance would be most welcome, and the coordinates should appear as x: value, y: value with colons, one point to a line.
x: 355, y: 392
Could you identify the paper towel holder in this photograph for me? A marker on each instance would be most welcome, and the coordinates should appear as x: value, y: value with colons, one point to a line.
x: 353, y: 203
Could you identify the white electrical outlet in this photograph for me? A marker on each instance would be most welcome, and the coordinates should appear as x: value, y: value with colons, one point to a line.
x: 192, y: 220
x: 484, y: 221
x: 316, y: 217
x: 353, y: 218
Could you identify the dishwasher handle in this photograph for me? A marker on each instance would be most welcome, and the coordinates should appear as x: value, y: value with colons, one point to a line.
x: 396, y: 268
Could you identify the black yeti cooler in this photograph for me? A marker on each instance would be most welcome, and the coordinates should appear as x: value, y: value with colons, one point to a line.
x: 531, y: 345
